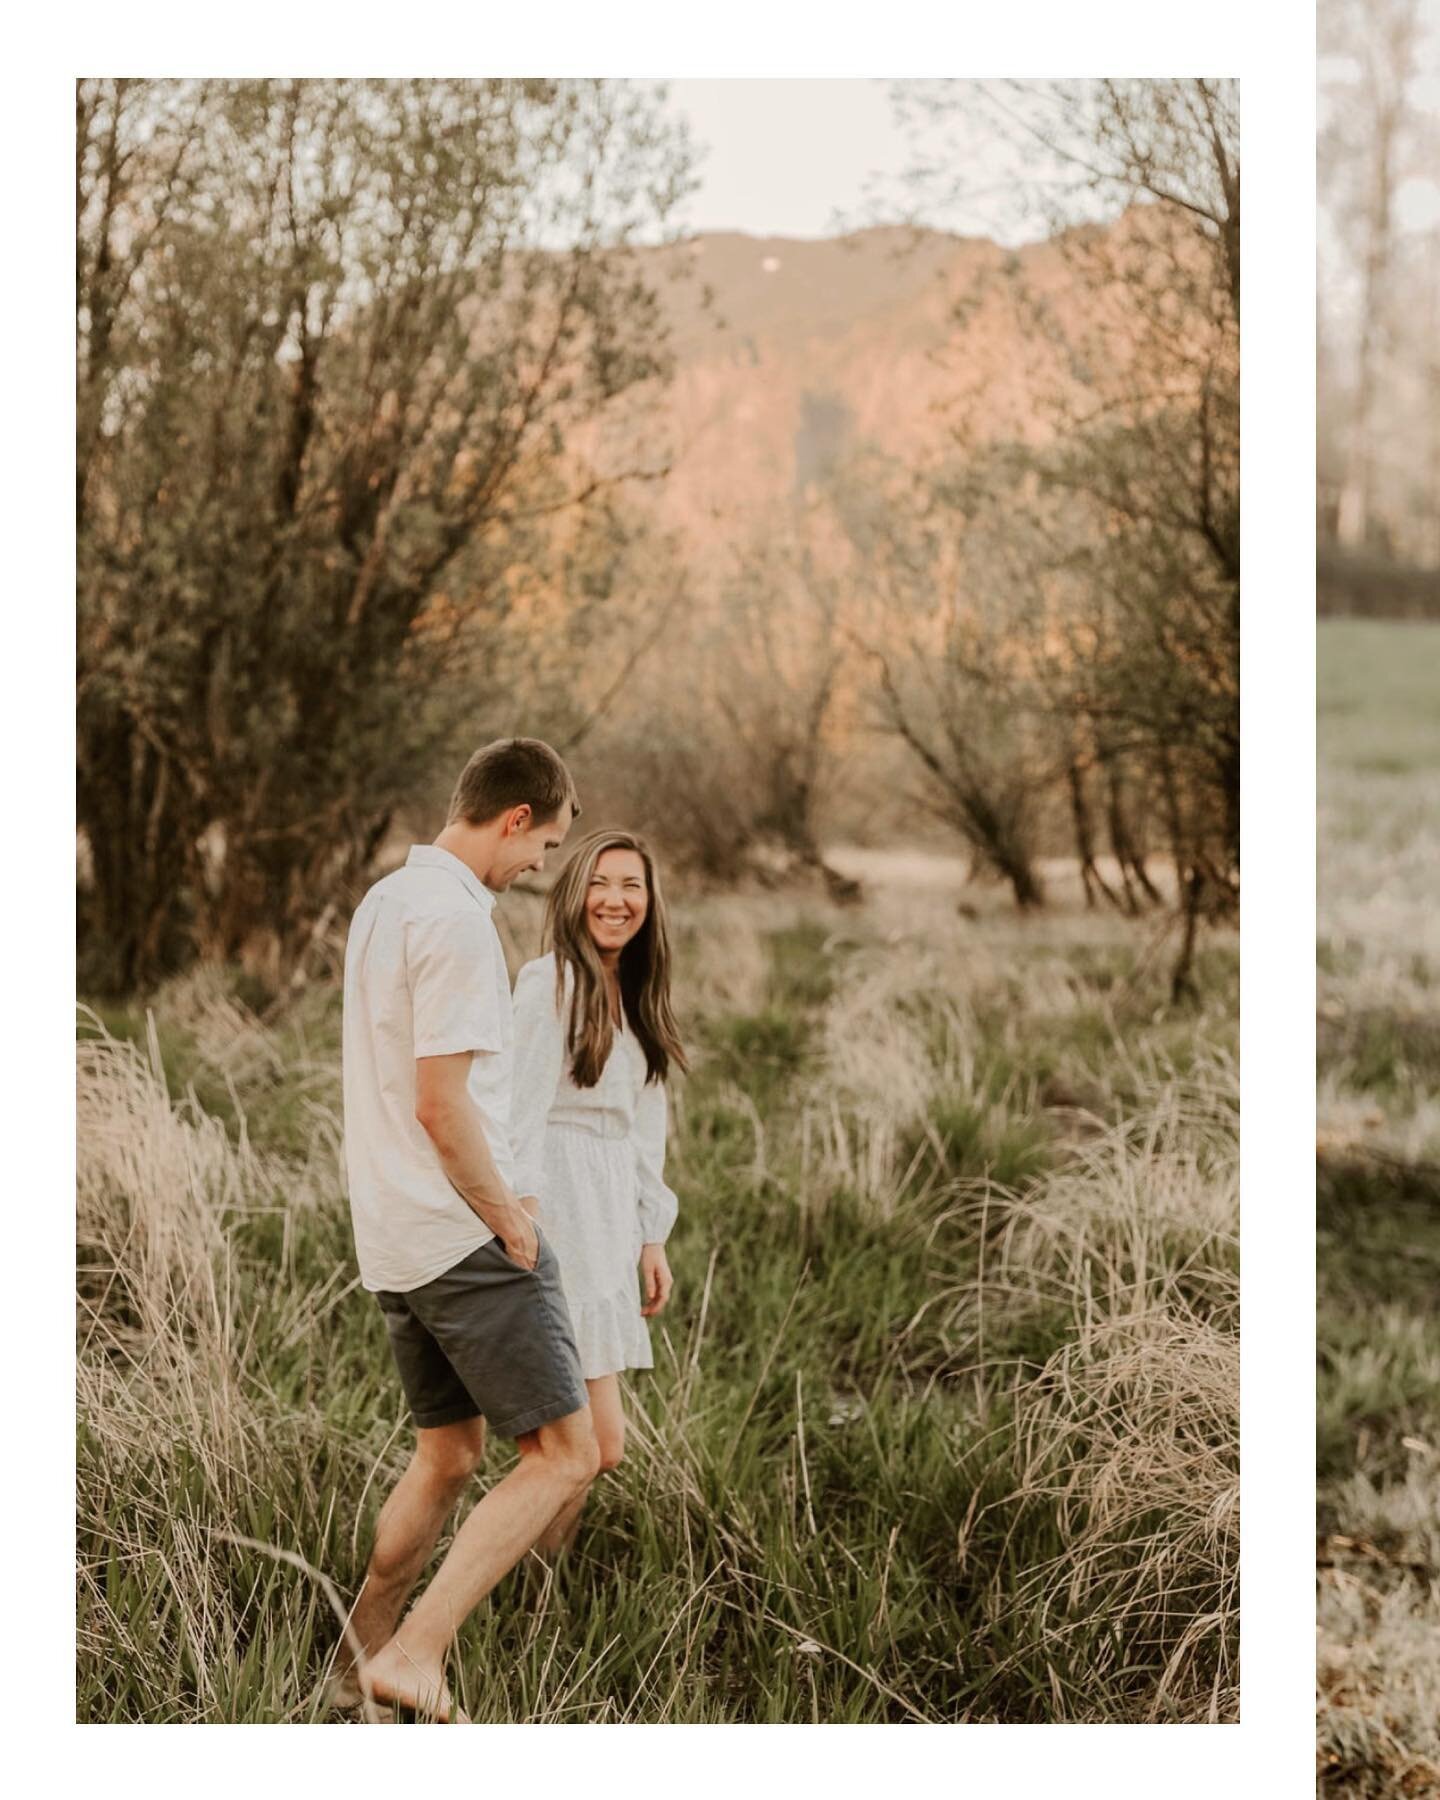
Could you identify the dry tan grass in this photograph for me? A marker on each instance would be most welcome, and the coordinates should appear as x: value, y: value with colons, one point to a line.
x: 1378, y: 1671
x: 1128, y: 1434
x: 151, y: 1186
x: 880, y: 1066
x: 1129, y: 1431
x: 721, y: 962
x: 1113, y: 1452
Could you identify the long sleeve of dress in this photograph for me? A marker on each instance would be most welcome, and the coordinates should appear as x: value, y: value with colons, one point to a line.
x: 539, y: 1064
x: 658, y: 1205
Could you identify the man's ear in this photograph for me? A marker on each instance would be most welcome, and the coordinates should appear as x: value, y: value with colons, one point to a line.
x: 518, y: 819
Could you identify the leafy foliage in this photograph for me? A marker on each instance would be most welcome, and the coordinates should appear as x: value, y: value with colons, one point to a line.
x: 335, y: 341
x: 1070, y: 593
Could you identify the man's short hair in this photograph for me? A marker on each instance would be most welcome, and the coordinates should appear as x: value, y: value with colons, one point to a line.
x: 512, y: 772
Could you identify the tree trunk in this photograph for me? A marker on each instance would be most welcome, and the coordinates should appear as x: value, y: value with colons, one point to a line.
x: 129, y: 915
x: 1027, y: 886
x: 1094, y: 882
x: 1182, y: 977
x: 1122, y: 840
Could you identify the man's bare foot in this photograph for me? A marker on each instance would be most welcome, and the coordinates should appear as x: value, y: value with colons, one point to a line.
x: 395, y: 1678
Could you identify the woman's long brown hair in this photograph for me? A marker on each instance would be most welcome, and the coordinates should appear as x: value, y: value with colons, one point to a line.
x: 644, y: 967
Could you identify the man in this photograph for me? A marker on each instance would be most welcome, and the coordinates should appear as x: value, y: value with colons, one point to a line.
x: 470, y: 1292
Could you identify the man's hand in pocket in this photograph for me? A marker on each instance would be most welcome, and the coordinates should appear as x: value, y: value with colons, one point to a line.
x: 520, y: 1237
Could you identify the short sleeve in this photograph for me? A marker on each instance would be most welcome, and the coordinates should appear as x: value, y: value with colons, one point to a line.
x: 453, y: 1000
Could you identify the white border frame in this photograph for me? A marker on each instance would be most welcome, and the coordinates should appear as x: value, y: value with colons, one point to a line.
x: 1271, y: 49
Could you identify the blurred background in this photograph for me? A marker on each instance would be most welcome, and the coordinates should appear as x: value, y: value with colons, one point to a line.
x: 844, y: 476
x: 1378, y: 1026
x: 1378, y: 450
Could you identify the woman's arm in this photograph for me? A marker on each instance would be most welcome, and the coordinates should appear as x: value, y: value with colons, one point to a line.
x: 539, y: 1064
x: 658, y: 1205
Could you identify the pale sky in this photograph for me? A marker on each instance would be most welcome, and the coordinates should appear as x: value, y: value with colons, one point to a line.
x: 783, y: 156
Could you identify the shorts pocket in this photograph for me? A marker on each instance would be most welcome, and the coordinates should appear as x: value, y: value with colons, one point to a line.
x: 519, y: 1266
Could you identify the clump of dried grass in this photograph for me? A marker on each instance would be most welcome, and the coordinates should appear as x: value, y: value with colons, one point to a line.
x: 171, y: 1397
x: 721, y: 963
x: 880, y: 1063
x: 1378, y: 1672
x: 1127, y: 1434
x: 152, y: 1186
x: 161, y: 1184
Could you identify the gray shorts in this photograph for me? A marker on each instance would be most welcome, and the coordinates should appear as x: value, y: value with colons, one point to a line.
x: 487, y: 1337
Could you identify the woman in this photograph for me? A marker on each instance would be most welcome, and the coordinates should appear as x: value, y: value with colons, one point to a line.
x: 595, y: 1038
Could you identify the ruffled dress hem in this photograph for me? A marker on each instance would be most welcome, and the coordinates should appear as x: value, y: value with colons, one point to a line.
x: 610, y: 1335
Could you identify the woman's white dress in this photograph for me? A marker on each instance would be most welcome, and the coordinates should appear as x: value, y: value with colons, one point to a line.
x: 594, y: 1158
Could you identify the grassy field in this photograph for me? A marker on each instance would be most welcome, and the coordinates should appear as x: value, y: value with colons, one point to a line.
x: 1378, y: 1209
x: 944, y: 1420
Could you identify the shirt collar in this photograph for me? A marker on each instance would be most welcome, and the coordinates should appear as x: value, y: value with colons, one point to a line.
x: 431, y: 856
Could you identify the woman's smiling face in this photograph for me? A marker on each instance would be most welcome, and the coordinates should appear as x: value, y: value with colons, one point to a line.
x: 618, y: 899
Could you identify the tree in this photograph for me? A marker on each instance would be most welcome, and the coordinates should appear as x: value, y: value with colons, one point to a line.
x: 779, y: 685
x: 1118, y: 480
x: 335, y: 345
x: 1361, y: 153
x: 733, y: 780
x: 943, y: 658
x: 1379, y: 299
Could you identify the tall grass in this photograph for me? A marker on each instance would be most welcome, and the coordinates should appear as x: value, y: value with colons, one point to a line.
x: 1378, y: 1226
x: 943, y: 1422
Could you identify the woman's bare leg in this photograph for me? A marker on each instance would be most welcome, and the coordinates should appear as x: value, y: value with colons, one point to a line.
x: 609, y: 1417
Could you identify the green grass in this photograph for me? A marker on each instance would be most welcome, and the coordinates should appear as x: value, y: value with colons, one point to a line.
x: 1378, y: 1241
x: 942, y: 1425
x: 1376, y: 692
x: 1378, y: 1210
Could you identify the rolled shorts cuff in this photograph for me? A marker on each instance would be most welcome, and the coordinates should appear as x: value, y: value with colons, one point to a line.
x: 541, y: 1415
x: 446, y: 1415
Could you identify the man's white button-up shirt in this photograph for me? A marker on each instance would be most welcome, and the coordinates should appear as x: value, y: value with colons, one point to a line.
x: 424, y: 976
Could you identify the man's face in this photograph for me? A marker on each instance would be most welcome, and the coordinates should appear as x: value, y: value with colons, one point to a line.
x: 524, y: 844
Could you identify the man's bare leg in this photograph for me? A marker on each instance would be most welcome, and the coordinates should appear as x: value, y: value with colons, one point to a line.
x: 609, y: 1417
x: 410, y: 1522
x: 557, y: 1463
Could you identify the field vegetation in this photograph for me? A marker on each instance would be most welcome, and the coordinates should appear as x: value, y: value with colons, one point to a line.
x: 1379, y: 1210
x: 944, y: 1419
